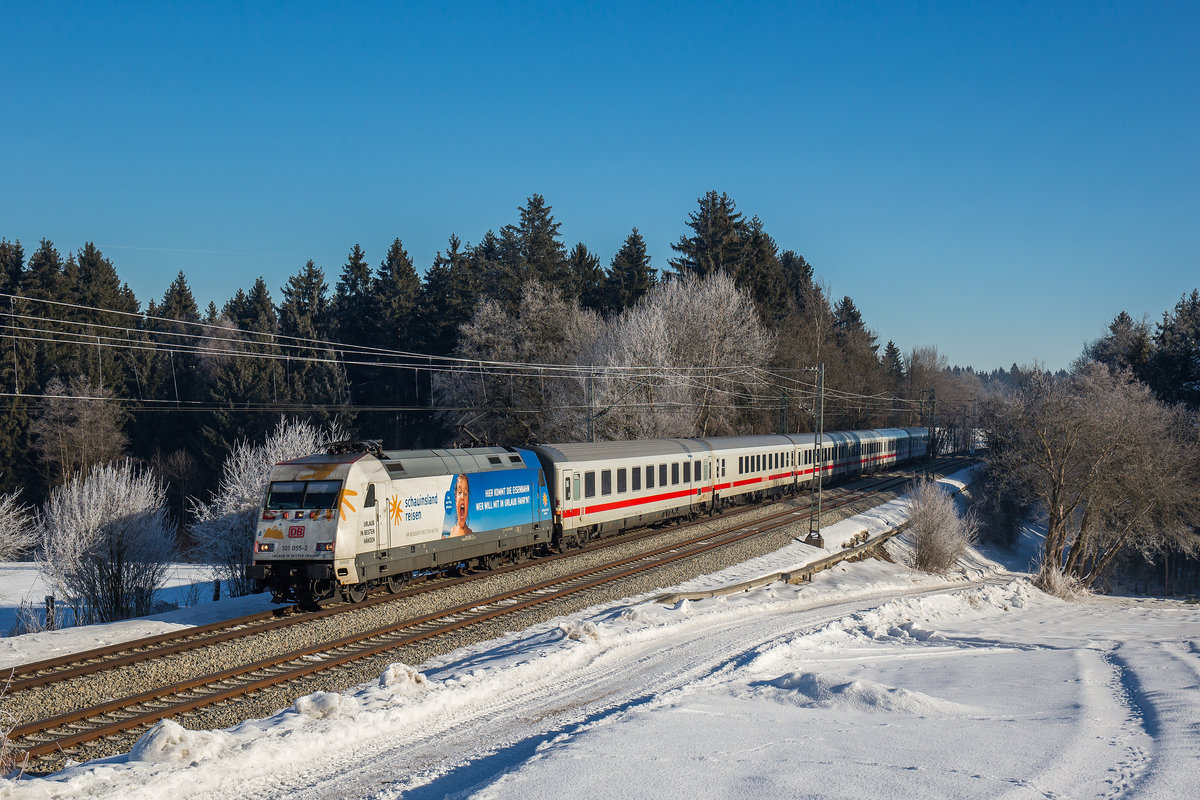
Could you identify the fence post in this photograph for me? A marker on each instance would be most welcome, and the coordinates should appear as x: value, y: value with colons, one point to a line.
x: 216, y: 590
x: 50, y: 612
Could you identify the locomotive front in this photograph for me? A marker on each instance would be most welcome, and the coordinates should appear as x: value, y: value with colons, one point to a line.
x: 297, y: 528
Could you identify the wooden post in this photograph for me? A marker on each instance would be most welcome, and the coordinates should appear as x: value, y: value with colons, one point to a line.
x: 50, y: 621
x: 216, y: 590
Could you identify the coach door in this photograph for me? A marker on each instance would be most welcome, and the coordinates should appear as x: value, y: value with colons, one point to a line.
x: 572, y: 495
x: 383, y: 521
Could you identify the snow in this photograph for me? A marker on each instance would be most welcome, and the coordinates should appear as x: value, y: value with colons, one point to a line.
x: 873, y: 680
x: 186, y: 583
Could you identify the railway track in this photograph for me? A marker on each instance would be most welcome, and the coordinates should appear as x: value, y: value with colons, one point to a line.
x: 48, y: 741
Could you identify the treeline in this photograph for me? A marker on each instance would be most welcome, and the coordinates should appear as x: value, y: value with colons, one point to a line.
x: 465, y: 353
x: 1167, y: 358
x: 1109, y: 454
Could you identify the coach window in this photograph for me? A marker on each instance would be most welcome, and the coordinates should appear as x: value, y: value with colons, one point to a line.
x: 605, y: 482
x: 687, y: 472
x: 674, y: 474
x: 589, y: 484
x: 650, y: 476
x: 567, y: 488
x: 369, y: 502
x: 662, y: 474
x: 621, y: 481
x: 636, y: 477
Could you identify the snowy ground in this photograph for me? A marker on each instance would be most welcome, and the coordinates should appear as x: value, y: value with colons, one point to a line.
x: 871, y: 681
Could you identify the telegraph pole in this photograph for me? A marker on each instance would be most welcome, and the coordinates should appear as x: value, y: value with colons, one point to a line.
x: 932, y: 420
x: 814, y: 520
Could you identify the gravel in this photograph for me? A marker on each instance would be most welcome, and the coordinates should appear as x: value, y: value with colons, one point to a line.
x: 90, y: 690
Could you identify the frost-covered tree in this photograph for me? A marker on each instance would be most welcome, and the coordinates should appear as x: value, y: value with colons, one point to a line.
x: 672, y: 367
x: 17, y: 533
x: 107, y: 541
x: 940, y: 535
x: 1109, y: 466
x: 526, y: 405
x: 224, y: 528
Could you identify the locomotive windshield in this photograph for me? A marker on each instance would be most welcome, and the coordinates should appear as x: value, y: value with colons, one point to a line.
x: 302, y: 494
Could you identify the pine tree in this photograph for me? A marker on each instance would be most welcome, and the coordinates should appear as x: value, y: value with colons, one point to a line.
x: 97, y: 286
x: 716, y: 243
x: 1127, y: 345
x: 247, y: 378
x: 1175, y: 365
x: 305, y: 310
x: 588, y: 278
x: 893, y: 365
x: 16, y: 371
x: 798, y: 274
x: 260, y: 312
x: 313, y: 376
x: 541, y: 247
x: 498, y: 260
x: 450, y: 291
x: 45, y: 278
x: 353, y: 311
x: 630, y: 277
x: 172, y: 373
x: 12, y: 265
x: 847, y: 318
x: 761, y: 273
x: 397, y: 291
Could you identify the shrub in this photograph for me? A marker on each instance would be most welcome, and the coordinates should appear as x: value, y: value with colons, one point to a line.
x: 107, y: 540
x: 17, y: 534
x: 940, y: 534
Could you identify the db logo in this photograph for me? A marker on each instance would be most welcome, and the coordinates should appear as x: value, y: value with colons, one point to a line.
x: 296, y: 532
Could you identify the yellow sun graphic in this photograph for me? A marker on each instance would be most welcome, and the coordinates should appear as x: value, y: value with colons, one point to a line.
x: 346, y: 504
x: 394, y: 510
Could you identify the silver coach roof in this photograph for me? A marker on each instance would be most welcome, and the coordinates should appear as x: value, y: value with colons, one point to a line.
x: 576, y: 452
x: 736, y: 442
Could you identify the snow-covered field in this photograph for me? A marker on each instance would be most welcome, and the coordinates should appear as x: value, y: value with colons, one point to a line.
x: 873, y: 681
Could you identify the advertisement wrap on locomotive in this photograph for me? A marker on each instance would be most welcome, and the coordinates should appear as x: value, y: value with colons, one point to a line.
x: 353, y: 521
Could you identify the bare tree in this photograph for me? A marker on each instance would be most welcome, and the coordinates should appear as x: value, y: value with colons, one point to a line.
x: 941, y: 535
x: 107, y: 541
x: 79, y: 426
x: 1109, y: 466
x: 224, y: 528
x: 17, y: 532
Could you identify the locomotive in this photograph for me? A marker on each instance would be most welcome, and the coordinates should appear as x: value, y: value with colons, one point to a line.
x: 358, y: 517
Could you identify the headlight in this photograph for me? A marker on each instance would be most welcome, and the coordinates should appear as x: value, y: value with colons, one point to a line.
x: 324, y: 547
x: 264, y: 547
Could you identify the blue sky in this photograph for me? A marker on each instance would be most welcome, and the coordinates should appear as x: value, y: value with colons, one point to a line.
x: 997, y: 180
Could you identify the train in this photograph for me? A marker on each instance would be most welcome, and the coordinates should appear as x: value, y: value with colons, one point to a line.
x: 357, y: 517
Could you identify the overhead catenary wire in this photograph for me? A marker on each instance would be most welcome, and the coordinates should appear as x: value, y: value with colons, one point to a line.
x: 733, y: 381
